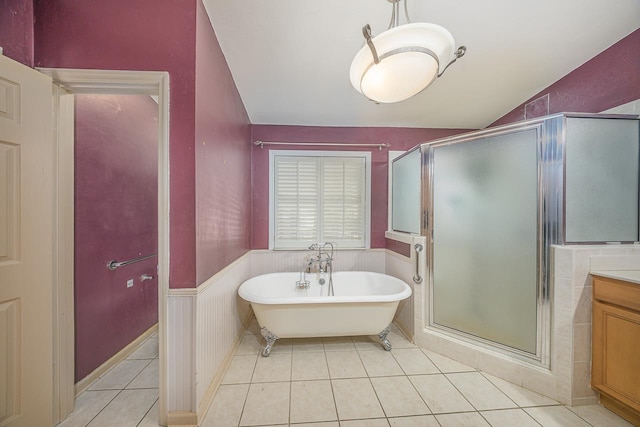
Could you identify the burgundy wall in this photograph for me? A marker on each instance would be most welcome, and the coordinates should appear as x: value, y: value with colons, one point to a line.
x: 116, y: 199
x: 399, y: 138
x: 223, y: 159
x: 140, y: 35
x: 16, y: 30
x: 609, y: 79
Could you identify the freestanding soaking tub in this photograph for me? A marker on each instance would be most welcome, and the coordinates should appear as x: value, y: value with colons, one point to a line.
x: 364, y: 304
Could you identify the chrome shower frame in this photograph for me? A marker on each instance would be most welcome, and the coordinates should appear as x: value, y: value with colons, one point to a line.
x: 551, y: 146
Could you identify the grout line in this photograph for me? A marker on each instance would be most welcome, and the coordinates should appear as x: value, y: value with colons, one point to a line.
x: 145, y: 414
x: 105, y: 406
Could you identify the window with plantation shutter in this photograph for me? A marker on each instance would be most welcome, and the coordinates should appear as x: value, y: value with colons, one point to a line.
x: 319, y: 196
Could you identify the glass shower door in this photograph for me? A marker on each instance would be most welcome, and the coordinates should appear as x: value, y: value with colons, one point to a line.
x: 485, y: 240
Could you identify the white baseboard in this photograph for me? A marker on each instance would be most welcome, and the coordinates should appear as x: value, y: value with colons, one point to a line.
x: 84, y: 383
x: 182, y: 419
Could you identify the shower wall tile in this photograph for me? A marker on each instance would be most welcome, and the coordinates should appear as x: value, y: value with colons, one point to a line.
x: 402, y: 268
x: 616, y: 262
x: 562, y: 262
x: 581, y: 386
x: 582, y: 342
x: 505, y: 368
x: 460, y: 352
x: 540, y: 381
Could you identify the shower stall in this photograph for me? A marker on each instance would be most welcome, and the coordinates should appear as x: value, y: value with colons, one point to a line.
x: 491, y: 205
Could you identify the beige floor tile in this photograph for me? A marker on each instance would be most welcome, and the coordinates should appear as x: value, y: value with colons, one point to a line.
x: 148, y: 378
x: 439, y: 394
x: 598, y: 415
x: 327, y: 424
x: 307, y: 344
x: 522, y: 396
x: 368, y: 343
x: 312, y: 401
x: 345, y: 364
x: 88, y: 405
x: 338, y: 344
x: 227, y: 405
x: 250, y: 344
x: 509, y: 418
x: 380, y: 364
x: 274, y: 368
x: 447, y: 365
x: 421, y: 421
x: 121, y: 375
x: 478, y: 390
x: 309, y: 366
x: 151, y: 419
x: 147, y: 350
x: 283, y: 345
x: 376, y: 422
x: 356, y: 399
x: 398, y: 397
x: 414, y: 362
x: 267, y: 403
x: 556, y: 416
x: 398, y: 340
x: 467, y: 419
x: 127, y: 409
x: 241, y: 369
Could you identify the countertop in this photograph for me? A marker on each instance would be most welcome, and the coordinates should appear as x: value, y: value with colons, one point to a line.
x: 632, y: 276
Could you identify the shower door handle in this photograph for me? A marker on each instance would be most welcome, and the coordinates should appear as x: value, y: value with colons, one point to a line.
x: 417, y: 278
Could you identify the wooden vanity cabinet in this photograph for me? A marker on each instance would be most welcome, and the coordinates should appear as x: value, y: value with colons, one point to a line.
x: 615, y: 367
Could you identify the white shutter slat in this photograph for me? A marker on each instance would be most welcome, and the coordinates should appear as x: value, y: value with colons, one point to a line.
x: 296, y: 200
x: 343, y: 198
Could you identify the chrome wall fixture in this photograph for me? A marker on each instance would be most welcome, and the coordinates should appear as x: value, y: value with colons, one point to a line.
x: 112, y: 265
x: 418, y: 248
x: 403, y: 60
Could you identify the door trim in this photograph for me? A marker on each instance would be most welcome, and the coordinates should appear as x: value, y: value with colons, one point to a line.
x: 76, y: 81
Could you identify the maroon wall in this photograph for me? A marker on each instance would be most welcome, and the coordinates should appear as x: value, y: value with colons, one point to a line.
x: 116, y: 199
x: 399, y: 138
x: 16, y: 30
x: 609, y: 79
x: 223, y: 159
x: 140, y: 35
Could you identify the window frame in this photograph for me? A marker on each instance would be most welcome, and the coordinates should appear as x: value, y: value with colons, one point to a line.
x: 366, y: 155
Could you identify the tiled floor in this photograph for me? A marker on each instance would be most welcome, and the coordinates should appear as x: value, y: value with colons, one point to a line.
x: 353, y: 382
x: 334, y: 382
x: 125, y: 396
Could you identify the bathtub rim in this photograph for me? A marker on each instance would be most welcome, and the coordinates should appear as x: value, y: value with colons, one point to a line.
x: 405, y: 293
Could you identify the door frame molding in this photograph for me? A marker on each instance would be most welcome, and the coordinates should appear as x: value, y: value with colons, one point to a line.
x: 77, y: 81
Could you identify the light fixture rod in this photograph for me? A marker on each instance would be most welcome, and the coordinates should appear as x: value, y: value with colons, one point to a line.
x: 459, y: 53
x: 366, y: 32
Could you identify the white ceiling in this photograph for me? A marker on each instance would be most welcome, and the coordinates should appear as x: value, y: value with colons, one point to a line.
x: 290, y: 58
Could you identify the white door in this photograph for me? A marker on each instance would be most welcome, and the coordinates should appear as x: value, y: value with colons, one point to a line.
x: 26, y: 246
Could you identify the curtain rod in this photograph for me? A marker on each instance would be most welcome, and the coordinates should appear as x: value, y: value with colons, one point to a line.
x: 261, y: 144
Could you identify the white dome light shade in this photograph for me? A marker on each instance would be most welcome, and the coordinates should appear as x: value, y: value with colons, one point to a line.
x: 410, y: 58
x: 399, y: 77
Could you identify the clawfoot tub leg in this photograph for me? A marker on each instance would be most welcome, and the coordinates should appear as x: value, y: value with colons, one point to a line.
x: 271, y: 338
x: 383, y: 337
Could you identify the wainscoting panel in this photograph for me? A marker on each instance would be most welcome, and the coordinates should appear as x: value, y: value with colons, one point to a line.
x: 265, y: 261
x: 180, y: 356
x: 403, y: 268
x: 220, y: 315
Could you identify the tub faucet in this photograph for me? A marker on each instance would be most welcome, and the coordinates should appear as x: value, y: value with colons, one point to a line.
x: 324, y: 261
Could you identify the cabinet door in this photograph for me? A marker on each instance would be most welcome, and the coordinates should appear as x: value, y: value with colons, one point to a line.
x: 616, y: 353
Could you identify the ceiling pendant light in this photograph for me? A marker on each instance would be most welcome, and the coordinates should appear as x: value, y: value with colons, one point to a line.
x: 403, y: 60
